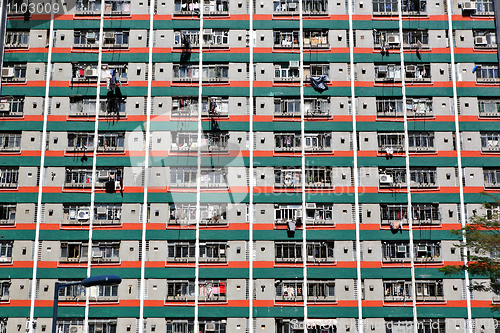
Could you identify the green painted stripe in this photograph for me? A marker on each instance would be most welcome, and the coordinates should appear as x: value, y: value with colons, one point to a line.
x: 473, y: 24
x: 228, y: 273
x: 169, y: 272
x: 277, y: 272
x: 279, y: 312
x: 485, y: 91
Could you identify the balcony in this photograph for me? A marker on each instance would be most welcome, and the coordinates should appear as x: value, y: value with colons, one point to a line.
x: 390, y: 143
x: 421, y: 142
x: 7, y: 214
x: 387, y: 73
x: 213, y: 252
x: 116, y: 40
x: 86, y: 39
x: 316, y: 39
x: 486, y: 74
x: 423, y: 178
x: 16, y: 40
x: 491, y: 178
x: 11, y: 107
x: 291, y: 178
x: 210, y: 214
x: 488, y: 108
x: 9, y: 178
x: 319, y: 214
x: 288, y: 252
x: 6, y: 252
x: 288, y: 291
x: 211, y: 74
x: 320, y: 252
x: 398, y: 252
x: 291, y: 142
x: 485, y: 40
x: 111, y: 8
x: 321, y: 291
x: 109, y: 179
x: 490, y: 142
x: 105, y: 252
x: 181, y: 252
x: 186, y: 8
x: 418, y: 73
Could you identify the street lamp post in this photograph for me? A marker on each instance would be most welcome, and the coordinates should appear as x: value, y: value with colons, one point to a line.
x: 101, y: 280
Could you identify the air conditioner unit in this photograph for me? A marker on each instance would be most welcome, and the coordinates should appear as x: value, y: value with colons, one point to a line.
x: 422, y: 248
x: 299, y: 213
x: 4, y: 106
x: 84, y: 214
x: 102, y: 211
x: 109, y: 35
x: 91, y: 35
x: 292, y: 5
x: 401, y: 249
x: 7, y: 72
x: 207, y: 31
x: 103, y: 174
x: 294, y: 64
x: 385, y: 179
x: 382, y: 69
x: 393, y: 39
x: 209, y: 327
x: 469, y: 5
x: 91, y: 72
x: 411, y: 68
x: 310, y: 205
x: 205, y: 215
x: 96, y: 254
x: 480, y: 40
x: 75, y: 329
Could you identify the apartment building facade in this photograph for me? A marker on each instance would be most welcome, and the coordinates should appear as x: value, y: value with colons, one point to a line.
x: 182, y: 146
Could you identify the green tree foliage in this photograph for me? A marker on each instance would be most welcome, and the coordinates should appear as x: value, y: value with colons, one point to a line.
x: 482, y: 246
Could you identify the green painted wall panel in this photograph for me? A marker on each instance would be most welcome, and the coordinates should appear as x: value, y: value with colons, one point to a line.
x: 388, y: 312
x: 441, y: 312
x: 31, y: 24
x: 54, y: 235
x: 277, y: 235
x: 228, y: 273
x: 278, y: 312
x: 25, y: 57
x: 223, y: 235
x: 332, y: 312
x: 73, y: 57
x: 124, y: 273
x: 429, y: 91
x: 428, y: 57
x: 330, y: 273
x: 169, y: 272
x: 169, y: 312
x: 378, y: 91
x: 223, y: 312
x: 16, y: 273
x: 277, y: 272
x: 62, y: 273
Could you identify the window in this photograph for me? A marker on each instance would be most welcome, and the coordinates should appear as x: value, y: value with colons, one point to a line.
x: 74, y: 251
x: 180, y: 290
x: 492, y: 211
x: 105, y: 251
x: 290, y: 107
x: 288, y: 252
x: 104, y: 291
x: 209, y: 213
x: 297, y: 326
x: 85, y: 72
x: 320, y: 141
x: 419, y: 107
x: 286, y: 38
x: 385, y: 6
x: 107, y: 213
x: 111, y: 141
x: 426, y: 214
x: 387, y: 72
x: 418, y: 72
x: 484, y: 6
x: 392, y: 177
x: 391, y: 142
x: 73, y: 214
x: 414, y: 7
x: 102, y: 326
x: 315, y: 7
x: 186, y: 38
x: 115, y: 38
x: 184, y: 106
x: 12, y: 106
x: 210, y: 72
x: 320, y: 251
x: 285, y: 6
x: 491, y: 177
x: 113, y: 106
x: 285, y: 73
x: 179, y: 251
x: 288, y: 290
x: 180, y: 326
x: 215, y: 141
x: 82, y: 106
x: 316, y: 70
x: 10, y: 141
x: 14, y: 72
x: 390, y: 213
x: 429, y: 290
x: 490, y: 141
x: 487, y: 73
x: 80, y: 141
x: 287, y: 213
x: 214, y: 177
x: 116, y: 7
x: 485, y: 39
x: 9, y: 177
x: 390, y: 107
x: 84, y: 6
x: 16, y: 39
x: 71, y: 292
x: 319, y: 214
x: 215, y: 37
x: 287, y: 107
x: 318, y: 177
x: 287, y: 141
x: 190, y: 7
x: 82, y: 38
x: 216, y: 7
x: 431, y: 326
x: 213, y: 251
x: 5, y: 252
x: 400, y: 251
x: 488, y: 107
x: 76, y: 177
x: 316, y: 39
x: 212, y: 290
x: 116, y: 72
x: 416, y: 38
x: 4, y: 290
x: 215, y: 106
x: 184, y: 141
x: 183, y: 177
x: 420, y: 141
x: 397, y: 291
x: 318, y: 290
x: 425, y: 177
x: 212, y: 326
x: 7, y: 214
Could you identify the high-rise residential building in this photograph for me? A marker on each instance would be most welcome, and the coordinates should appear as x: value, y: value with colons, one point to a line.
x: 274, y: 166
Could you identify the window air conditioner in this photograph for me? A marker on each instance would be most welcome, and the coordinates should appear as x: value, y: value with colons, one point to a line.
x: 411, y: 68
x: 4, y: 106
x: 84, y: 214
x: 7, y: 72
x: 109, y: 35
x: 204, y: 215
x: 393, y: 39
x: 96, y: 254
x: 469, y: 5
x: 292, y: 5
x: 91, y: 72
x: 210, y: 327
x: 401, y: 249
x: 102, y: 211
x: 91, y: 35
x: 294, y: 64
x: 480, y: 40
x: 422, y: 248
x: 385, y: 179
x: 382, y: 69
x: 103, y: 174
x: 310, y: 205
